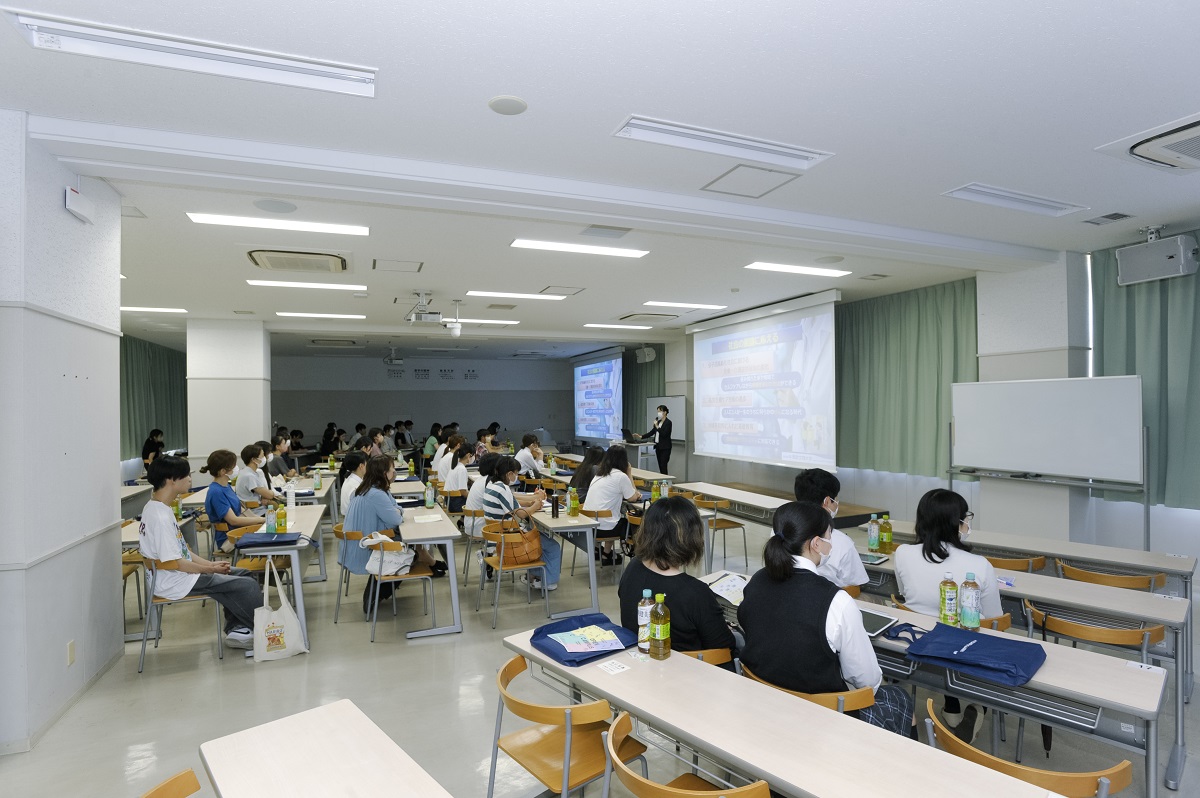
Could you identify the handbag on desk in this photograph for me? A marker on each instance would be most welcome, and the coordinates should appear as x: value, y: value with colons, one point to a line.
x: 997, y: 658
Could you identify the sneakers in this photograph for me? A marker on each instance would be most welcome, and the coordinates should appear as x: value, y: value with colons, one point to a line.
x: 536, y: 583
x: 970, y: 725
x: 611, y: 559
x: 240, y: 637
x: 439, y: 568
x: 952, y: 719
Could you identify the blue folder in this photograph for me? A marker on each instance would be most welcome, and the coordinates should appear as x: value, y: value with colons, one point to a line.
x: 263, y: 539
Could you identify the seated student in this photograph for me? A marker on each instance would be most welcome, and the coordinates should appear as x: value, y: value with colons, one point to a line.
x: 277, y: 464
x: 221, y: 502
x: 152, y: 447
x: 498, y: 446
x: 671, y: 538
x: 354, y: 468
x: 440, y: 452
x: 843, y: 567
x: 375, y: 436
x: 374, y: 510
x: 297, y: 445
x: 806, y: 634
x: 159, y: 538
x: 499, y: 503
x: 329, y: 441
x: 359, y: 431
x: 530, y: 456
x: 409, y: 437
x: 431, y: 443
x: 610, y: 488
x: 442, y: 467
x: 252, y: 483
x: 342, y: 441
x: 454, y: 470
x: 943, y: 525
x: 282, y: 431
x: 585, y: 472
x: 388, y: 445
x: 483, y: 440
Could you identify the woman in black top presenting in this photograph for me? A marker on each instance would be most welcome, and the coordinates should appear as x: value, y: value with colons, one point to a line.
x: 661, y: 431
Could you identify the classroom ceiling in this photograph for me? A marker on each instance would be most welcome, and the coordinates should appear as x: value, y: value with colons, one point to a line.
x: 912, y: 99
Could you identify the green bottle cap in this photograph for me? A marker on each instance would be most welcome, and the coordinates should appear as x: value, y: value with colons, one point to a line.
x: 660, y: 597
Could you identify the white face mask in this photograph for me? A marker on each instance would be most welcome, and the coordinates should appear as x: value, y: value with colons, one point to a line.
x: 262, y: 461
x: 964, y: 535
x: 659, y: 416
x: 833, y: 513
x: 825, y: 556
x: 270, y: 457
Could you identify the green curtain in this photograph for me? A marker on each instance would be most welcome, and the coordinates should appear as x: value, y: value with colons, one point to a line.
x: 1151, y: 330
x: 642, y: 380
x: 897, y: 356
x: 153, y: 394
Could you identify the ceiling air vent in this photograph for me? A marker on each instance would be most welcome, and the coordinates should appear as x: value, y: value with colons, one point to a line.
x: 307, y: 262
x: 1177, y: 149
x: 648, y: 318
x: 335, y: 343
x: 528, y: 354
x: 605, y: 231
x: 1014, y: 200
x: 501, y: 307
x: 717, y: 143
x: 1107, y: 218
x: 244, y: 312
x: 873, y: 277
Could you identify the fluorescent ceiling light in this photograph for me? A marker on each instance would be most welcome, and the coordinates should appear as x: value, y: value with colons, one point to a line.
x: 482, y: 321
x: 279, y: 224
x: 715, y: 142
x: 1014, y: 200
x: 695, y: 305
x: 783, y: 267
x: 504, y: 295
x: 125, y: 309
x: 620, y: 326
x: 190, y: 55
x: 322, y: 315
x: 326, y: 286
x: 586, y: 249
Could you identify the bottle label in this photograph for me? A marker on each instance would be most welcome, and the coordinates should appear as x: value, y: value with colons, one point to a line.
x: 643, y: 615
x: 949, y: 606
x: 969, y: 609
x: 659, y: 631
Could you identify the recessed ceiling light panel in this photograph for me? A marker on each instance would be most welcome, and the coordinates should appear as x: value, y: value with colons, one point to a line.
x: 620, y: 326
x: 279, y: 224
x: 1014, y: 200
x: 508, y: 105
x: 485, y: 321
x: 814, y: 271
x: 695, y: 305
x: 323, y: 286
x: 505, y: 295
x: 322, y: 315
x: 131, y: 309
x: 715, y: 142
x: 585, y: 249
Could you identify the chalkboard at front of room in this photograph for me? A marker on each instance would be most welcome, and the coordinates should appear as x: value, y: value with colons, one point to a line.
x: 1082, y: 428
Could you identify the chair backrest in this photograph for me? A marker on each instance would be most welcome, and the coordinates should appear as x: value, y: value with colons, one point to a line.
x: 581, y: 714
x: 853, y: 590
x: 687, y: 494
x: 131, y: 469
x: 633, y: 520
x: 899, y: 604
x: 347, y: 534
x: 180, y: 785
x: 160, y: 565
x: 642, y: 787
x: 713, y: 656
x: 506, y: 525
x: 235, y: 533
x: 337, y: 531
x: 1131, y: 581
x: 1028, y: 564
x: 596, y: 513
x: 712, y: 504
x: 474, y: 513
x: 1072, y: 785
x: 997, y: 623
x: 1095, y: 634
x: 846, y: 701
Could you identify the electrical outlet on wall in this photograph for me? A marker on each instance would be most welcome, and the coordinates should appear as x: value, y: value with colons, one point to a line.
x: 70, y: 652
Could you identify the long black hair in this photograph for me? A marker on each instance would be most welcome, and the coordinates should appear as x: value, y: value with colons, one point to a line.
x: 795, y: 524
x: 939, y: 515
x: 350, y: 464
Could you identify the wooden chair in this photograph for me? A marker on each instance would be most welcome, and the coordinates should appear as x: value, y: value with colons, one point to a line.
x: 256, y: 565
x: 629, y: 544
x: 1077, y: 627
x: 596, y: 515
x: 723, y: 525
x: 347, y: 538
x: 846, y: 701
x: 154, y: 608
x: 131, y: 563
x: 470, y: 524
x: 686, y: 786
x: 1027, y: 564
x: 713, y: 656
x: 564, y: 749
x: 1149, y: 582
x: 854, y: 590
x: 497, y: 534
x: 1100, y: 783
x: 181, y: 785
x: 417, y: 571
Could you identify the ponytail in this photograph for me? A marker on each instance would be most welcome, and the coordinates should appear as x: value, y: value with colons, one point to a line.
x: 794, y: 525
x: 777, y: 560
x: 462, y: 451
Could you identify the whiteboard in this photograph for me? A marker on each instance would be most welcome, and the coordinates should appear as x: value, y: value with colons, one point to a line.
x: 1083, y: 427
x: 678, y: 409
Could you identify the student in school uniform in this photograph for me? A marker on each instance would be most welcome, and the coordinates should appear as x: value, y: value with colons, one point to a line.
x: 499, y: 503
x: 454, y: 469
x: 585, y: 472
x: 252, y: 483
x: 221, y: 502
x: 843, y: 567
x: 671, y: 538
x: 610, y: 488
x: 943, y: 525
x: 406, y: 434
x: 530, y: 456
x: 442, y: 466
x: 277, y: 464
x: 354, y: 468
x: 803, y: 632
x: 159, y: 538
x: 661, y: 432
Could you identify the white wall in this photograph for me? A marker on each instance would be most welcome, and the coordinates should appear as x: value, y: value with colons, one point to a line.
x: 59, y: 329
x: 228, y: 384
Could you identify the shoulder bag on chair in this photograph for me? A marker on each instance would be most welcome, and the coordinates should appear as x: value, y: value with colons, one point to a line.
x: 393, y: 562
x: 527, y: 549
x: 277, y: 633
x: 998, y: 658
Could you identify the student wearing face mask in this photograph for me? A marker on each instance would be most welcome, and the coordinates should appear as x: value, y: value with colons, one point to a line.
x: 252, y: 483
x: 277, y: 464
x: 221, y: 503
x: 500, y: 503
x: 843, y: 567
x: 661, y: 432
x: 806, y: 634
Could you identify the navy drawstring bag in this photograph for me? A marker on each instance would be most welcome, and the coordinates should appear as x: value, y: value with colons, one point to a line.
x: 542, y: 641
x: 998, y: 658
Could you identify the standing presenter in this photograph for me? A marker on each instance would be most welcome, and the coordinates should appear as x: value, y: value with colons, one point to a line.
x: 661, y: 432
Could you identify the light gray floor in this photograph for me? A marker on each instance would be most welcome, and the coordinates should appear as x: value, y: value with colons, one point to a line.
x: 435, y: 697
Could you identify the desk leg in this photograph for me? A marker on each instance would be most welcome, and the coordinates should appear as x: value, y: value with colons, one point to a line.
x: 591, y: 561
x: 298, y: 584
x: 320, y: 577
x: 708, y: 549
x: 452, y: 572
x: 1189, y: 638
x: 1179, y: 749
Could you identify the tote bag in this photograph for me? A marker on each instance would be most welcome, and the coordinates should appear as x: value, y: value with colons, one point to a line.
x: 277, y: 633
x: 1001, y: 659
x: 392, y: 563
x: 546, y: 644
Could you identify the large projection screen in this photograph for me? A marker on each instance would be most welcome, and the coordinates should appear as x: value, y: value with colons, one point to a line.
x: 598, y: 402
x: 765, y: 389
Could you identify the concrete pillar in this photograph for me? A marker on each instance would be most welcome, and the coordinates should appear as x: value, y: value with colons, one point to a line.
x: 229, y: 385
x: 60, y: 576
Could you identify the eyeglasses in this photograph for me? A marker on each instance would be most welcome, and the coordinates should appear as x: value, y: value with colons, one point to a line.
x: 968, y: 517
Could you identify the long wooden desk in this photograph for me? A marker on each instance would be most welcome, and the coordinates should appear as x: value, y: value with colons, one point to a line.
x: 638, y: 473
x: 567, y: 527
x: 408, y: 488
x: 277, y: 758
x: 757, y: 506
x: 306, y: 522
x: 133, y: 499
x: 757, y: 731
x: 441, y: 530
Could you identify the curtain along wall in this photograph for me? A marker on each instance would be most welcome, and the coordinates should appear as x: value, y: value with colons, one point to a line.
x: 153, y: 395
x: 896, y: 358
x: 642, y: 380
x: 1150, y: 329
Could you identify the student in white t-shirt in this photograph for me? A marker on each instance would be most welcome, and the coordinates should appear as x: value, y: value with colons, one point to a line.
x: 455, y: 471
x: 610, y: 488
x: 843, y: 567
x: 252, y: 483
x: 530, y: 456
x: 443, y: 465
x: 354, y: 468
x: 159, y: 539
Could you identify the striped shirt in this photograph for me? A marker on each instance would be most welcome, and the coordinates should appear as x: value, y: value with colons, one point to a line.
x: 498, y: 501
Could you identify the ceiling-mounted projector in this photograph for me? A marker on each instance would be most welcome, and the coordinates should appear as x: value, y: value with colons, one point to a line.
x: 1157, y: 259
x: 425, y: 316
x: 392, y: 359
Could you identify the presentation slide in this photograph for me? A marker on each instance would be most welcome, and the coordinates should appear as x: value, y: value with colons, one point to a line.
x: 765, y: 390
x: 598, y: 399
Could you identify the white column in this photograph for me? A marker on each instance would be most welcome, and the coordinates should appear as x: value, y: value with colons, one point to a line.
x: 229, y: 385
x: 1033, y: 325
x: 60, y: 576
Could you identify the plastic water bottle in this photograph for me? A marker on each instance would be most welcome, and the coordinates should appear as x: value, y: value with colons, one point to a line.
x: 873, y: 534
x: 271, y: 529
x: 412, y: 467
x: 643, y: 619
x: 552, y: 466
x: 885, y: 535
x: 948, y: 600
x: 660, y: 628
x: 290, y: 493
x: 430, y: 496
x: 573, y: 503
x: 178, y: 507
x: 332, y: 463
x: 316, y: 480
x: 655, y: 491
x: 968, y: 602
